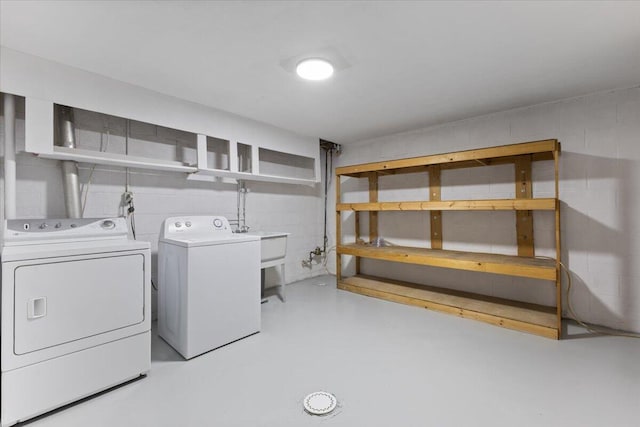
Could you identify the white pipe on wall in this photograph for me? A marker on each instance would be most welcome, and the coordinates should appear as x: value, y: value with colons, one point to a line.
x: 9, y: 156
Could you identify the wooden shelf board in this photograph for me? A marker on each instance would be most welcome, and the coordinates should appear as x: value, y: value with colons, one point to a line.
x: 454, y: 165
x: 453, y: 205
x: 532, y: 318
x: 536, y: 268
x: 114, y: 159
x: 541, y: 150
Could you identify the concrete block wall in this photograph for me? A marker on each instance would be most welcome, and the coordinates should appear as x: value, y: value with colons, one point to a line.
x: 274, y: 207
x: 599, y: 181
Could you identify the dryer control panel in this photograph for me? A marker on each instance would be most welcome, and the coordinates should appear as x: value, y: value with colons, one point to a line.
x: 25, y: 231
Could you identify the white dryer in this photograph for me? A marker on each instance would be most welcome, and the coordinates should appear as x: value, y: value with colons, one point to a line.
x: 208, y: 284
x: 75, y: 312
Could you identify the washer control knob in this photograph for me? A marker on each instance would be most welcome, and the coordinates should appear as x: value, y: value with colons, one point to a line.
x: 188, y: 223
x: 217, y: 223
x: 43, y: 226
x: 178, y: 224
x: 73, y: 225
x: 58, y: 225
x: 108, y: 224
x: 26, y: 226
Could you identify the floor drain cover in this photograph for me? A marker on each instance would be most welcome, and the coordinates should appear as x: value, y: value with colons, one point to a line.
x: 320, y: 403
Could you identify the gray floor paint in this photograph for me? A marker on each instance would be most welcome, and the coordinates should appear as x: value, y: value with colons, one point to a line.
x: 388, y: 365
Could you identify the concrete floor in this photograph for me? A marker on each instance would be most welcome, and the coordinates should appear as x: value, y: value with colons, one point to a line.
x: 388, y: 364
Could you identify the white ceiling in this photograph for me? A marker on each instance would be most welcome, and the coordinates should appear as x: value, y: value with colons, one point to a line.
x: 402, y: 65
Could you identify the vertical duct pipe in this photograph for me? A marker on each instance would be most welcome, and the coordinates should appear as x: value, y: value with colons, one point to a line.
x: 9, y: 156
x: 70, y: 181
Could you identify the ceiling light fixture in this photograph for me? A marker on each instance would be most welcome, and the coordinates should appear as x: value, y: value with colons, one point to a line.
x: 314, y: 69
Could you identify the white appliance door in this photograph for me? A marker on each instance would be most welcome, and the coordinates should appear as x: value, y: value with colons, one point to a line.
x: 64, y: 301
x: 223, y: 294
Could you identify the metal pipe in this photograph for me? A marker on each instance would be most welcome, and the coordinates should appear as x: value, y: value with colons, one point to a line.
x: 70, y: 180
x: 244, y: 227
x: 9, y: 156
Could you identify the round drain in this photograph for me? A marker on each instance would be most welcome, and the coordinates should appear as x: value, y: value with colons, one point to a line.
x: 320, y: 403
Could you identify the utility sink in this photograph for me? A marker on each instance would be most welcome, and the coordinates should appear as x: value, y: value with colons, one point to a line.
x: 273, y: 247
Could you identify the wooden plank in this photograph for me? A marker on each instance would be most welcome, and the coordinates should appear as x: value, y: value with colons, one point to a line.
x: 457, y: 165
x: 524, y: 219
x: 549, y: 145
x: 357, y: 233
x: 373, y: 198
x: 435, y: 216
x: 537, y: 268
x: 510, y: 314
x: 547, y: 204
x: 338, y: 230
x: 556, y: 161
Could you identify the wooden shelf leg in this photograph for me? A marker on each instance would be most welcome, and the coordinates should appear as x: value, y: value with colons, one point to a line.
x: 435, y: 216
x: 556, y: 160
x: 373, y: 198
x: 524, y: 219
x: 338, y: 231
x: 357, y: 215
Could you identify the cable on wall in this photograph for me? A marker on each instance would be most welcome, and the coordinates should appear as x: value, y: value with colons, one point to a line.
x: 585, y: 325
x: 328, y: 147
x: 128, y: 194
x: 577, y: 319
x: 93, y: 168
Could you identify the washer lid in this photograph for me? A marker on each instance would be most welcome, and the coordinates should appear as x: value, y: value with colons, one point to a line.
x: 204, y: 240
x: 320, y: 403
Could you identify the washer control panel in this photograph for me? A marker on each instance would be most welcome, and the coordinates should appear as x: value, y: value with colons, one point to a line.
x: 196, y: 225
x: 28, y: 230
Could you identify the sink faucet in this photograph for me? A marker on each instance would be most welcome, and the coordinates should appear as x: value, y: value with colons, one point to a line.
x: 242, y: 229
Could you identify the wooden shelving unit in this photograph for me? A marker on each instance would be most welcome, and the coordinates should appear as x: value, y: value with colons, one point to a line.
x: 536, y: 319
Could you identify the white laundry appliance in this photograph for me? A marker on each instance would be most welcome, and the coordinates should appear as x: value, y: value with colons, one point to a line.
x: 75, y: 312
x: 208, y: 284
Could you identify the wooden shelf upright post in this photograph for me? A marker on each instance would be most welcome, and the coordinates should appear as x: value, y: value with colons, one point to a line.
x: 435, y: 216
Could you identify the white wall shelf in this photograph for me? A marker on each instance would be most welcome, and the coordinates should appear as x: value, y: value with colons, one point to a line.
x: 244, y: 164
x: 209, y: 158
x: 113, y: 159
x: 211, y: 174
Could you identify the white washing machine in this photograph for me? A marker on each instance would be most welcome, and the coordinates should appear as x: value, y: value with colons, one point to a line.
x: 75, y: 312
x: 208, y: 284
